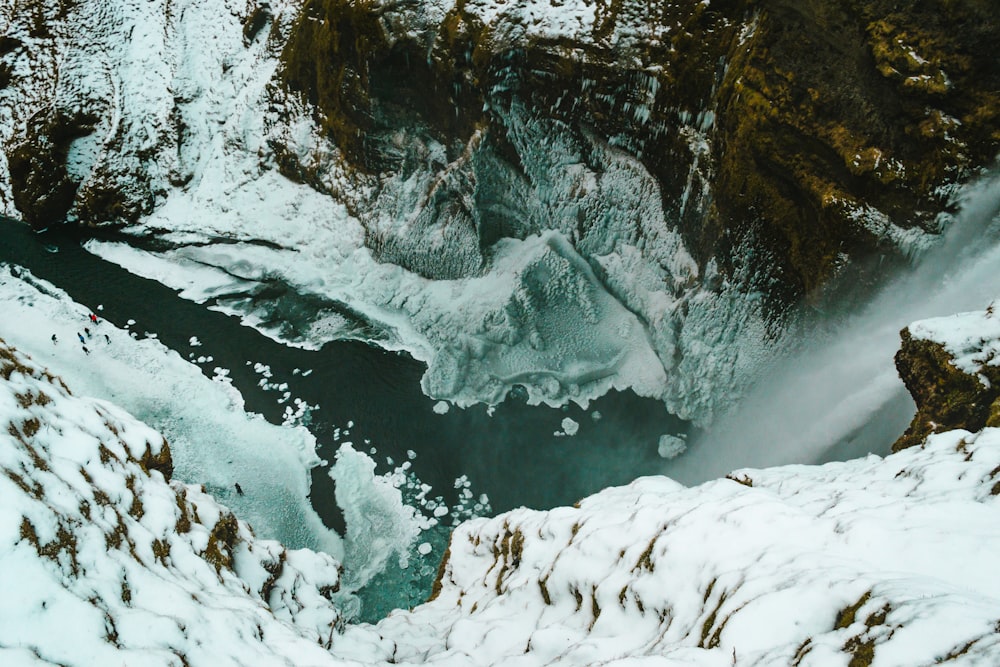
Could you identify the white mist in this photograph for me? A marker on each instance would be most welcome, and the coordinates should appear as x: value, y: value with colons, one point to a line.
x: 838, y: 395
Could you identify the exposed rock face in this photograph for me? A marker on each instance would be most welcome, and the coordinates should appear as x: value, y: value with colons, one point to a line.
x: 806, y: 127
x: 951, y: 368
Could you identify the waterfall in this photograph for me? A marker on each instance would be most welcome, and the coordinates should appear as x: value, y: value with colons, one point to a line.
x: 837, y: 395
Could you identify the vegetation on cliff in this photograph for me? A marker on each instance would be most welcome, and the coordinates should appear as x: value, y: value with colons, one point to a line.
x: 827, y: 124
x: 950, y: 367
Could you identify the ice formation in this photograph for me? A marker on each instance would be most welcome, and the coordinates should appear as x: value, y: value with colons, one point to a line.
x: 105, y: 559
x: 179, y: 117
x: 215, y: 443
x: 972, y: 338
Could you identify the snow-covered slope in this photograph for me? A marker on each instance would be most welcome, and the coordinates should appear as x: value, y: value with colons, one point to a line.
x: 105, y: 561
x: 869, y: 562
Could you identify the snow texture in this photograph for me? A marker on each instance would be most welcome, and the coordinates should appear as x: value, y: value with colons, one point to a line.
x: 214, y: 442
x: 811, y: 565
x: 104, y: 561
x: 972, y: 339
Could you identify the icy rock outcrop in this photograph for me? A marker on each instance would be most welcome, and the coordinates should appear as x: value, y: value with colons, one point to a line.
x: 951, y: 368
x: 873, y: 561
x: 105, y: 560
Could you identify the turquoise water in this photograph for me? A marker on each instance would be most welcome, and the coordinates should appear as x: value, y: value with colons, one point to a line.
x: 512, y: 456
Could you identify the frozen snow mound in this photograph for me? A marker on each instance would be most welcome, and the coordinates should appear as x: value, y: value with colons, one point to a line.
x: 541, y: 319
x: 874, y: 561
x: 105, y: 560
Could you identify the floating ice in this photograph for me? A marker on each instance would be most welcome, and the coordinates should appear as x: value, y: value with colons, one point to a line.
x: 213, y: 440
x: 671, y: 446
x: 570, y: 427
x: 379, y: 524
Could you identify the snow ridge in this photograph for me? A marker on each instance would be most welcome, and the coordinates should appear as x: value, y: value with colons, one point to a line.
x: 105, y: 560
x: 807, y: 565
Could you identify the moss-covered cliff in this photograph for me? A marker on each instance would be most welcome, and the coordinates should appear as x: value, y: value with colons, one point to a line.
x: 805, y: 126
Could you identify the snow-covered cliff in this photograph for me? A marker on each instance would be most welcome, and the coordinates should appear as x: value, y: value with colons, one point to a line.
x: 105, y: 560
x: 884, y: 562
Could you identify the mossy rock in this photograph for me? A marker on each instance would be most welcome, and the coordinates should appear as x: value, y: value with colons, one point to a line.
x: 821, y: 109
x: 946, y: 397
x: 43, y: 190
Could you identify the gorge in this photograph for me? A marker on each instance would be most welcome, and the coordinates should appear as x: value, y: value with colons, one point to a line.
x: 472, y: 255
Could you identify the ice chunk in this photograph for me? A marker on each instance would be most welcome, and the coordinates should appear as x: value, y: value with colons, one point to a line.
x: 671, y: 446
x: 379, y: 524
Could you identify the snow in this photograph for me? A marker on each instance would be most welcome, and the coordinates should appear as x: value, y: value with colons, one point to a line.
x: 215, y: 443
x: 379, y: 525
x: 764, y: 569
x: 105, y: 561
x: 815, y: 563
x: 759, y: 569
x: 531, y: 21
x: 972, y: 339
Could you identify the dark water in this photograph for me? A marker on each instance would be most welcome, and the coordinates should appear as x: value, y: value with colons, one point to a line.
x: 511, y: 456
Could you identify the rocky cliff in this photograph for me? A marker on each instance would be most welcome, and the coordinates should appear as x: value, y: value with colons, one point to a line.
x: 822, y: 131
x: 950, y: 367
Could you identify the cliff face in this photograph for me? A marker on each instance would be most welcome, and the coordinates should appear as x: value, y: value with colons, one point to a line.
x: 424, y: 170
x: 812, y: 128
x: 950, y: 367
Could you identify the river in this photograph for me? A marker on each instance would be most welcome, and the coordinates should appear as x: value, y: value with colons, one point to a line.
x: 512, y: 456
